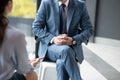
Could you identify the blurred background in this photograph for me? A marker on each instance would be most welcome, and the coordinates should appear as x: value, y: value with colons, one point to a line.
x: 102, y: 54
x: 22, y: 17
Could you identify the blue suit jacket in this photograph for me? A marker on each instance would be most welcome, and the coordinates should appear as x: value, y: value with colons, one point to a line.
x: 46, y: 24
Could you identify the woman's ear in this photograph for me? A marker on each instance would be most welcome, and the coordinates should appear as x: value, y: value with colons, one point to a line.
x: 9, y: 6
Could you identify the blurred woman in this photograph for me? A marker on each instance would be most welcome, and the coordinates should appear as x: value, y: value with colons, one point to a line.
x: 13, y: 55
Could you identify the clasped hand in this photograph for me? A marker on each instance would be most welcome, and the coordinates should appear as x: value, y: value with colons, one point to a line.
x: 63, y: 39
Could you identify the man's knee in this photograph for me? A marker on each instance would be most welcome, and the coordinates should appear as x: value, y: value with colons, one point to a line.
x: 65, y: 51
x: 66, y: 48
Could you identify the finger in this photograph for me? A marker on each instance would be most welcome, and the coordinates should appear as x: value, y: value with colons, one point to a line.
x: 37, y: 60
x: 64, y: 34
x: 31, y: 60
x: 59, y: 43
x: 60, y: 37
x: 41, y: 58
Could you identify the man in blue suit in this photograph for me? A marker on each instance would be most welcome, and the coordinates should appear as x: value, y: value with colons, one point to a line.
x: 56, y: 26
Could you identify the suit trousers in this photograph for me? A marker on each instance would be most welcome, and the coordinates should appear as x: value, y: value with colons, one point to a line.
x: 64, y: 56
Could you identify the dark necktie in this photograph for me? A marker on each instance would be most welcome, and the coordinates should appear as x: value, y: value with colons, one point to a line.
x: 62, y: 19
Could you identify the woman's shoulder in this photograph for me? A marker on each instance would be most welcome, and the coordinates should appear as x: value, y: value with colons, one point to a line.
x: 12, y: 32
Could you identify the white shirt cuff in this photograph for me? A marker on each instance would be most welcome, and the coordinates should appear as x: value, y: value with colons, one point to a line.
x: 52, y: 40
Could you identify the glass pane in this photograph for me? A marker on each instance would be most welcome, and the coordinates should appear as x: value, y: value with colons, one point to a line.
x: 24, y: 8
x: 22, y: 17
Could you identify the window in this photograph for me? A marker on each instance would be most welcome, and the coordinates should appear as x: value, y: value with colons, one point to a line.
x: 22, y: 17
x: 24, y: 8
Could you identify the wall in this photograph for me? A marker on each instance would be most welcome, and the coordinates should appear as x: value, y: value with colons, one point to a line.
x: 108, y: 19
x: 23, y: 24
x: 91, y: 7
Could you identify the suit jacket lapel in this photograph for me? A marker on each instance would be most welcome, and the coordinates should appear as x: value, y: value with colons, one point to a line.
x: 56, y: 15
x: 71, y: 8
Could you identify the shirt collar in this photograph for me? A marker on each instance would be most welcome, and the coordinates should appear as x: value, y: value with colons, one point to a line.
x: 66, y: 3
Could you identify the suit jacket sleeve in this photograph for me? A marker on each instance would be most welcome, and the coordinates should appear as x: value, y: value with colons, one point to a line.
x: 39, y: 24
x: 86, y: 27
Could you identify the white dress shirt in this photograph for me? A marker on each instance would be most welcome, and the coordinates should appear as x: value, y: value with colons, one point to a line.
x: 66, y: 3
